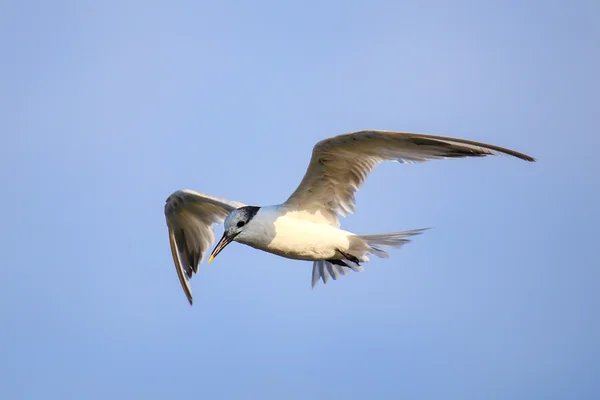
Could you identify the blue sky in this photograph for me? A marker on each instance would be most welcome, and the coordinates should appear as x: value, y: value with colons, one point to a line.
x: 108, y: 107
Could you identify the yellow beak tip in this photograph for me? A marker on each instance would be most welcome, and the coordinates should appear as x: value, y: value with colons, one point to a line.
x: 210, y: 259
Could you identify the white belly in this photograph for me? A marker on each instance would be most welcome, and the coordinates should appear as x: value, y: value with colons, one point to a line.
x: 295, y: 238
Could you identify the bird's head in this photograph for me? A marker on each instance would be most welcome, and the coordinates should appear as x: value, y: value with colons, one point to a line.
x: 234, y: 224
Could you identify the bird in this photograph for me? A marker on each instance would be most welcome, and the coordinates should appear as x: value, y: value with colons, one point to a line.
x: 307, y: 225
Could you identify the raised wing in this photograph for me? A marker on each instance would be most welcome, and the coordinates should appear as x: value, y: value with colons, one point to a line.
x: 190, y: 216
x: 340, y: 165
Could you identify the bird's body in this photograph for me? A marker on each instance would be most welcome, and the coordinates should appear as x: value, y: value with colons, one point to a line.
x: 306, y: 226
x: 293, y: 234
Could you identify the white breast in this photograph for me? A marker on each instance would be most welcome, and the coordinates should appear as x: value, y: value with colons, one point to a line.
x: 291, y: 236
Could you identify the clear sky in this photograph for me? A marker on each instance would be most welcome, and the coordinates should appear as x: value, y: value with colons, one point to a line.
x: 108, y: 107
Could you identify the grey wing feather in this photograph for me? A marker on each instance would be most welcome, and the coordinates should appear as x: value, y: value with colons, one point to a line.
x: 341, y: 164
x: 190, y: 216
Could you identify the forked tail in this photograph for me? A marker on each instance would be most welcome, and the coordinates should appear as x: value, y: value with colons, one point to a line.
x: 360, y: 247
x: 392, y: 240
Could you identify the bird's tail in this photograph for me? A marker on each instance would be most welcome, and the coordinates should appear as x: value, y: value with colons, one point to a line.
x: 375, y: 243
x: 360, y: 247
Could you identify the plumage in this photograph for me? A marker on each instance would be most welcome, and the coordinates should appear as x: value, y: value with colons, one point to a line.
x: 306, y: 225
x: 190, y: 216
x: 341, y: 164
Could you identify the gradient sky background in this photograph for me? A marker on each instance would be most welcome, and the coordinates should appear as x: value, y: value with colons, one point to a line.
x: 108, y: 107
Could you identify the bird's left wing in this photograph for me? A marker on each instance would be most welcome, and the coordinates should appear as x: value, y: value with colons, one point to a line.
x: 190, y: 216
x: 341, y: 164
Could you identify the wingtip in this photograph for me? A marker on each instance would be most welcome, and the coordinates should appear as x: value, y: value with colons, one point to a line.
x: 182, y: 279
x: 525, y: 157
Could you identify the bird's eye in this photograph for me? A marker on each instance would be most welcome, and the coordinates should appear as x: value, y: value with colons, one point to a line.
x: 240, y: 224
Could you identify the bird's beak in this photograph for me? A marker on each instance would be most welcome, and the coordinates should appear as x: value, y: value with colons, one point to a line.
x: 225, y: 240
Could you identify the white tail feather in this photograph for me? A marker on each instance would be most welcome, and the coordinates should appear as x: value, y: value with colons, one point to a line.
x: 360, y: 247
x: 392, y: 240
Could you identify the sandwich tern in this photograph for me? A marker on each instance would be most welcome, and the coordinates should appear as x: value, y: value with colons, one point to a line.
x: 306, y: 226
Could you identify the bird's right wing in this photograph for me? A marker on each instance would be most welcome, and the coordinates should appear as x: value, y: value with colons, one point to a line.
x: 190, y: 216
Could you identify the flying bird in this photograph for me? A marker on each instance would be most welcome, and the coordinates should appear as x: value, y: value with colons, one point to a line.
x: 306, y: 226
